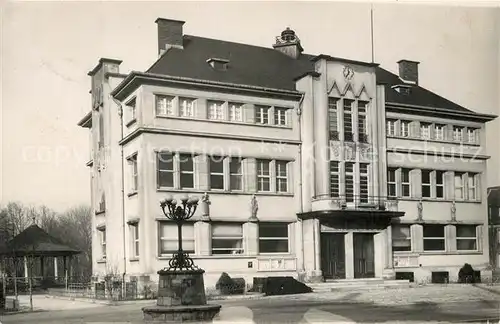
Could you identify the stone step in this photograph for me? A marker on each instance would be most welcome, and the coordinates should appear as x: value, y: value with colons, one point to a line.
x: 358, y: 284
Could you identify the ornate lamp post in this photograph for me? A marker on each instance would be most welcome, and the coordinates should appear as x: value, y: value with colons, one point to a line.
x: 181, y: 289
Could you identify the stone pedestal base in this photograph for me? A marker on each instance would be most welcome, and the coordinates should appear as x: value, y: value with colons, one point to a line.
x: 176, y: 314
x: 389, y: 274
x: 181, y: 298
x: 314, y: 277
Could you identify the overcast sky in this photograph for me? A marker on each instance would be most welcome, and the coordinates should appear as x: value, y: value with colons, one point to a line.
x: 48, y: 48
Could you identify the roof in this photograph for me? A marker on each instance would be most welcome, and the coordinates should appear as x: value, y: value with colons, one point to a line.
x: 35, y: 241
x: 494, y: 196
x: 267, y: 67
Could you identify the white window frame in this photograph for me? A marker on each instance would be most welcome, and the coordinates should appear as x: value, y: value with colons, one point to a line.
x: 426, y: 184
x: 217, y: 159
x: 394, y: 229
x: 403, y: 183
x: 184, y: 172
x: 175, y: 239
x: 132, y: 109
x: 172, y: 171
x: 262, y: 114
x: 280, y: 116
x: 440, y: 238
x: 458, y: 133
x: 232, y: 174
x: 352, y: 175
x: 460, y: 186
x: 235, y: 112
x: 467, y: 238
x: 472, y: 185
x: 439, y: 131
x: 362, y: 122
x: 261, y: 175
x: 392, y: 183
x: 439, y: 185
x: 134, y: 238
x: 404, y: 128
x: 348, y: 117
x: 366, y: 175
x: 102, y: 242
x: 391, y: 127
x: 187, y: 107
x: 425, y: 130
x: 281, y: 166
x: 276, y: 238
x: 472, y: 135
x: 164, y: 105
x: 232, y: 251
x: 333, y: 119
x: 334, y: 184
x: 215, y: 110
x: 134, y: 173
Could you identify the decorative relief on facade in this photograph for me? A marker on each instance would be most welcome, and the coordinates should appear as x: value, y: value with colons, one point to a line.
x: 391, y: 205
x: 365, y: 92
x: 334, y: 90
x: 348, y: 73
x: 453, y: 210
x: 335, y: 151
x: 97, y: 97
x: 348, y: 87
x: 349, y: 151
x: 277, y: 264
x: 254, y: 207
x: 205, y: 207
x: 405, y: 261
x: 420, y: 208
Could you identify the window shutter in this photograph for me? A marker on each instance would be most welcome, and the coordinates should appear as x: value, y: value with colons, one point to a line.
x: 250, y: 174
x: 449, y: 185
x: 249, y: 113
x: 200, y: 108
x: 479, y: 235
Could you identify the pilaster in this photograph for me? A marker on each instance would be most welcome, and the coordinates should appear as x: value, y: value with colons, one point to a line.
x: 349, y: 255
x: 251, y: 238
x: 203, y: 237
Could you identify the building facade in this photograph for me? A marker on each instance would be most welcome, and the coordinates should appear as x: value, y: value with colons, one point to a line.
x: 314, y: 166
x: 494, y: 228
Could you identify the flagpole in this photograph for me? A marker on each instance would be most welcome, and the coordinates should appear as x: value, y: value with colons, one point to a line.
x: 371, y: 31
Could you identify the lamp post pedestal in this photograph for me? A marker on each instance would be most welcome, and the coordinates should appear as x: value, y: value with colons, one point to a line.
x: 181, y: 298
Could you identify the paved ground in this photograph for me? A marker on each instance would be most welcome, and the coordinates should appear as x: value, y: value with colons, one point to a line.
x: 453, y: 303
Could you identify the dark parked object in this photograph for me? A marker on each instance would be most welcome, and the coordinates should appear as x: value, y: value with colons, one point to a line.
x: 284, y: 286
x: 407, y: 275
x: 440, y: 277
x: 230, y: 286
x: 468, y: 275
x: 2, y: 297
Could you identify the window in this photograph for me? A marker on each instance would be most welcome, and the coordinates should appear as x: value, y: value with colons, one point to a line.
x: 281, y: 176
x: 235, y: 174
x: 391, y: 182
x: 235, y: 112
x: 186, y: 167
x: 134, y: 173
x: 426, y: 183
x: 401, y: 238
x: 280, y: 116
x: 439, y: 184
x: 101, y: 130
x: 215, y: 110
x: 472, y: 186
x: 458, y: 133
x: 459, y: 185
x: 273, y: 238
x: 334, y: 178
x: 102, y: 238
x: 165, y: 170
x: 263, y: 175
x: 405, y: 128
x: 434, y: 238
x: 391, y: 127
x: 363, y: 182
x: 425, y: 130
x: 405, y: 183
x: 216, y: 167
x: 362, y: 124
x: 262, y: 114
x: 333, y: 119
x: 348, y: 136
x: 227, y: 239
x: 472, y: 135
x: 439, y: 132
x: 164, y: 106
x: 134, y: 235
x: 349, y: 181
x: 169, y: 238
x: 466, y: 238
x: 131, y: 107
x: 186, y: 106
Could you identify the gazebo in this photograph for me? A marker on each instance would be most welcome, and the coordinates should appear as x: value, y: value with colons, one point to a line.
x: 34, y: 246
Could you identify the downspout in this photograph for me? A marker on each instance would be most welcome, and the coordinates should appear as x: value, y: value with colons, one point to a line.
x: 120, y: 113
x: 299, y: 115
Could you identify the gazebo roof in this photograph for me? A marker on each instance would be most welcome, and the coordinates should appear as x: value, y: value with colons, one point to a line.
x: 34, y: 241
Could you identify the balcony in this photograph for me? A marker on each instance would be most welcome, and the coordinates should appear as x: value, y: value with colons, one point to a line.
x: 354, y: 202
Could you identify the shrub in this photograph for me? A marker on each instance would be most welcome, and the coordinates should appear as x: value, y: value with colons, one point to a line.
x: 466, y: 274
x: 228, y: 286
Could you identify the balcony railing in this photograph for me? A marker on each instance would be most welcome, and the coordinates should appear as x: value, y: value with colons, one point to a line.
x: 359, y: 202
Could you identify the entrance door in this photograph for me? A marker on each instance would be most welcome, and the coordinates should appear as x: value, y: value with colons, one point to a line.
x: 364, y: 259
x: 333, y: 255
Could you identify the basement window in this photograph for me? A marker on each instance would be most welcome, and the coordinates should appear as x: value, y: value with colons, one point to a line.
x: 218, y: 63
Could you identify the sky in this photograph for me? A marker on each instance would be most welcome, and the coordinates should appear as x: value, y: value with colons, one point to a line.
x: 47, y: 48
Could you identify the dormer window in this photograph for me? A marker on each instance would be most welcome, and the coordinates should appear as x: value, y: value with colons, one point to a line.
x: 402, y: 89
x: 218, y: 63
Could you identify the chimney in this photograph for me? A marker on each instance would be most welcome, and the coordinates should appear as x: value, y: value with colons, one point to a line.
x: 288, y: 43
x: 169, y: 34
x: 408, y: 71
